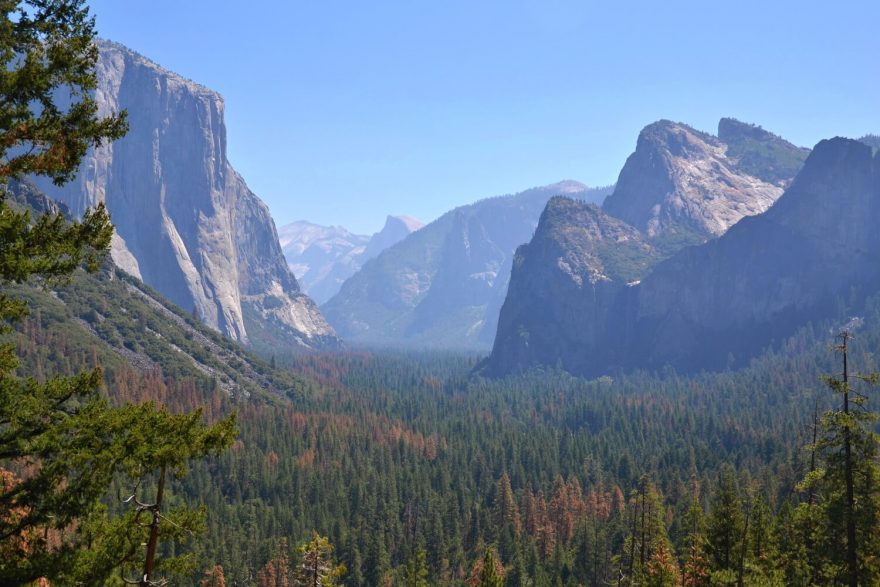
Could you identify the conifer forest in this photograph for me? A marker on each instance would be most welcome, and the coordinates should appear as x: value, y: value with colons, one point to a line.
x: 671, y: 381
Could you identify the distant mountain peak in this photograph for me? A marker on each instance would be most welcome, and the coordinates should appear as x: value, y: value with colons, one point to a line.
x: 676, y: 137
x: 323, y: 257
x: 112, y: 50
x: 568, y: 186
x: 396, y: 229
x: 408, y: 222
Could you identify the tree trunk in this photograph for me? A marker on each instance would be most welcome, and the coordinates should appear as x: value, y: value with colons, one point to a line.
x: 154, y: 533
x: 852, y: 561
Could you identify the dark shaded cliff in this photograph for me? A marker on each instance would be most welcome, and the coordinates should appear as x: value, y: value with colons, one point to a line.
x: 712, y: 305
x: 564, y: 285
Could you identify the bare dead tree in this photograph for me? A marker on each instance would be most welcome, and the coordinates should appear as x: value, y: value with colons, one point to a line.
x: 154, y: 511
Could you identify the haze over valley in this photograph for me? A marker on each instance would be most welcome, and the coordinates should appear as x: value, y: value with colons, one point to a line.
x: 487, y: 295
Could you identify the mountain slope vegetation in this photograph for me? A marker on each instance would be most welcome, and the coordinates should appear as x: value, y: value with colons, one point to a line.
x: 110, y: 318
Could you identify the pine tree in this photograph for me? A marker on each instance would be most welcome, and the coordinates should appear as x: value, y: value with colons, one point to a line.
x: 662, y: 568
x: 726, y: 525
x: 506, y: 512
x: 47, y: 50
x: 316, y: 567
x: 276, y: 572
x: 848, y: 482
x: 648, y: 539
x: 517, y: 576
x: 505, y: 518
x: 796, y: 561
x: 416, y: 571
x: 761, y: 557
x: 487, y: 572
x: 75, y: 444
x: 44, y: 47
x: 695, y: 572
x: 377, y: 564
x: 148, y: 439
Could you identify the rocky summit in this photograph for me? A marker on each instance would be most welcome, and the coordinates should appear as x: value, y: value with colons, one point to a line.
x: 708, y: 306
x: 186, y: 222
x: 322, y: 257
x: 563, y: 285
x: 682, y: 186
x: 396, y: 229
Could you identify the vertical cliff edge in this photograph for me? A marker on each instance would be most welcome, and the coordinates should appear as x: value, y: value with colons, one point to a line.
x: 186, y: 222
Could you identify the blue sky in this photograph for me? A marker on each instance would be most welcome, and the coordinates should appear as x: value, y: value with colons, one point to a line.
x: 343, y: 112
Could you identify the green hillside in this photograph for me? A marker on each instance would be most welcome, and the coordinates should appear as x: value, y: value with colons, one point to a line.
x: 115, y: 320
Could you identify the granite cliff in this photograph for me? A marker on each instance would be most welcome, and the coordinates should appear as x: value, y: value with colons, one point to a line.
x: 564, y: 285
x: 186, y: 222
x: 682, y: 186
x: 125, y: 325
x: 707, y: 306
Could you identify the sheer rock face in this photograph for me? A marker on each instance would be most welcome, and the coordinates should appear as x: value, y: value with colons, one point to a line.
x: 708, y: 306
x: 443, y: 285
x: 563, y: 286
x: 325, y: 256
x: 186, y: 222
x: 682, y: 184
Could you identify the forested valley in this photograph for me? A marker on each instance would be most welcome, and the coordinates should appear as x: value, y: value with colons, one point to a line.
x: 414, y: 468
x: 143, y: 441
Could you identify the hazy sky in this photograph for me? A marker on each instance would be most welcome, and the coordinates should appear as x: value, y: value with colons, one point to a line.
x: 343, y: 112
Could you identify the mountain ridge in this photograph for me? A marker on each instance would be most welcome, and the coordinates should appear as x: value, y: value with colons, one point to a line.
x: 719, y: 303
x: 325, y: 256
x: 443, y: 285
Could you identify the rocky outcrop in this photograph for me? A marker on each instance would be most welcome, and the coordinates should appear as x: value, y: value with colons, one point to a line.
x: 768, y: 275
x: 682, y: 186
x: 186, y: 222
x: 716, y: 304
x: 564, y: 284
x: 443, y: 285
x: 325, y: 256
